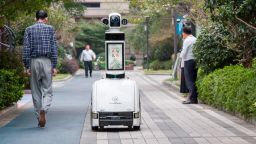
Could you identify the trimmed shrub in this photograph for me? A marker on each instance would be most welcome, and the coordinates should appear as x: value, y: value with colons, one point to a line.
x: 13, y: 61
x: 102, y: 65
x: 127, y: 62
x: 210, y: 52
x: 101, y: 61
x: 162, y: 51
x: 221, y: 88
x: 11, y: 87
x: 157, y: 65
x: 69, y: 66
x: 133, y: 57
x: 246, y: 98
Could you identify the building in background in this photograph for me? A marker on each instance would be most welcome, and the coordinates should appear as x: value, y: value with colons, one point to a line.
x: 97, y: 9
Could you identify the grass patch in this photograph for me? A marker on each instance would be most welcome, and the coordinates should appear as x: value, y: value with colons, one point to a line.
x: 61, y: 76
x: 150, y: 71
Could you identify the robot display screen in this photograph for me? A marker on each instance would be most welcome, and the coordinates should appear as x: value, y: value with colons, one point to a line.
x: 115, y: 56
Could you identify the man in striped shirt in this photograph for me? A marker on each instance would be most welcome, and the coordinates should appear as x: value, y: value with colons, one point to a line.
x: 40, y: 60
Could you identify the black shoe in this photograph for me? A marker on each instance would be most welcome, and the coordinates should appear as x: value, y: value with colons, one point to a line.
x: 189, y: 102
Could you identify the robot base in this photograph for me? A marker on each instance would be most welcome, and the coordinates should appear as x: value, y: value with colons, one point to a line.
x: 115, y: 102
x: 133, y: 123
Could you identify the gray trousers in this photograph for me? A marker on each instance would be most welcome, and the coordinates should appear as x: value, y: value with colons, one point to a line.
x: 41, y: 84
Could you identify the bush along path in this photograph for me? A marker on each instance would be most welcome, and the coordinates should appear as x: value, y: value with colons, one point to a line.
x: 11, y: 88
x: 231, y: 89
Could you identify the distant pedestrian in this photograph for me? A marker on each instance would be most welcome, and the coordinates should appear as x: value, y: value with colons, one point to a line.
x: 40, y: 60
x: 87, y: 56
x: 190, y: 70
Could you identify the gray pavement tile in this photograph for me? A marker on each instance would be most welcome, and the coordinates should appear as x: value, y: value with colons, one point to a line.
x: 88, y: 141
x: 237, y: 132
x: 170, y: 133
x: 162, y: 124
x: 102, y: 141
x: 113, y: 135
x: 111, y: 141
x: 213, y: 140
x: 151, y: 141
x: 176, y: 141
x: 102, y: 135
x: 201, y: 141
x: 189, y: 141
x: 126, y: 141
x: 163, y: 141
x: 139, y: 141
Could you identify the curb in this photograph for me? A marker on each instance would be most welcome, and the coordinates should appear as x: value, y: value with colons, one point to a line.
x: 8, y: 110
x: 156, y: 74
x: 170, y: 84
x: 65, y: 79
x: 27, y: 91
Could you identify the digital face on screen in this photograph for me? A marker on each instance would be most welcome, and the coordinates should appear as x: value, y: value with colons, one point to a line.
x: 115, y: 57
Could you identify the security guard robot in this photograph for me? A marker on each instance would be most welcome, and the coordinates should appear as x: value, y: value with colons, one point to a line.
x: 115, y: 98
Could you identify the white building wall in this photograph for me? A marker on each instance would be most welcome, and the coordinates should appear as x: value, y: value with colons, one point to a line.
x: 106, y: 7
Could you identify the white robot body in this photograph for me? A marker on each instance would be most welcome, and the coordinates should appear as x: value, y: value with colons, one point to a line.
x: 115, y: 99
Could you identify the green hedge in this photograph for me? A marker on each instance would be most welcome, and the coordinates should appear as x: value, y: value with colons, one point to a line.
x: 127, y: 62
x: 232, y: 89
x: 11, y: 87
x: 157, y: 65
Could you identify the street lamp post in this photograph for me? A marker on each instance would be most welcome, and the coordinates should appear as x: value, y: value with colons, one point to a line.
x: 146, y: 29
x: 175, y: 41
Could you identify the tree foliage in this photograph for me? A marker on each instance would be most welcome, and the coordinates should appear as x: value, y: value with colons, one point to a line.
x: 211, y: 51
x: 58, y: 17
x: 11, y: 10
x: 91, y: 33
x: 238, y: 16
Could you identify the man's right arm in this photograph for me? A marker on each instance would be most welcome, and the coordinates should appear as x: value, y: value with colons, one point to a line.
x: 93, y: 55
x: 82, y: 56
x: 26, y: 49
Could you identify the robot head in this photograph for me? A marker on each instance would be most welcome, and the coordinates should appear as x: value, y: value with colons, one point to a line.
x: 114, y: 20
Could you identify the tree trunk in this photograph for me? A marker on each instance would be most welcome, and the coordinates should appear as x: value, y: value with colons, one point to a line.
x: 247, y: 57
x: 1, y: 29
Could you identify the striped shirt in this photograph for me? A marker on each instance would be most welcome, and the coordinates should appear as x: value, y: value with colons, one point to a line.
x: 39, y: 41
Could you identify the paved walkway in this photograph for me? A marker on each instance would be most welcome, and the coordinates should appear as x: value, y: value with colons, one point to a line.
x: 65, y: 118
x: 164, y: 119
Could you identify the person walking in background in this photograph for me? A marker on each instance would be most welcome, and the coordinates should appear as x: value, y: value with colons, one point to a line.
x: 40, y: 60
x: 87, y: 56
x: 190, y: 70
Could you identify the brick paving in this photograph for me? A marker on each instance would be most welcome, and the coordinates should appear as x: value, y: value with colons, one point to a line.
x: 166, y: 121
